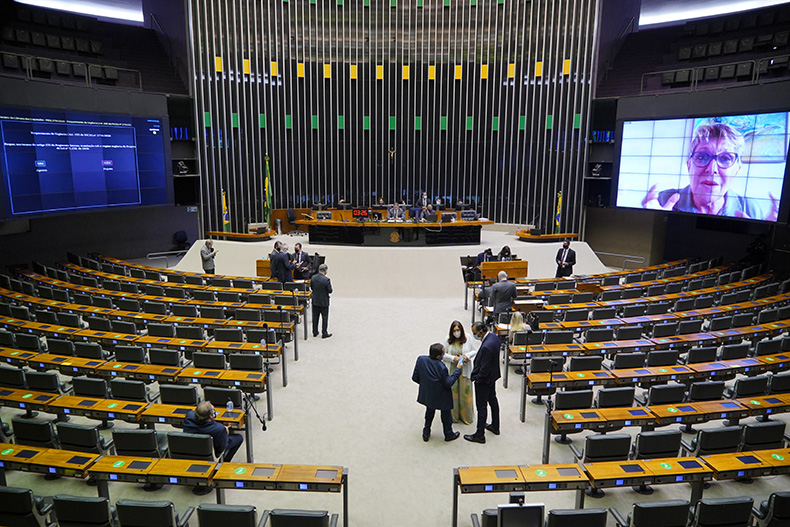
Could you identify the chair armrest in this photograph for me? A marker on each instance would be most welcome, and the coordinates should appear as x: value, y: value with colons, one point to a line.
x: 44, y: 507
x: 618, y: 518
x: 183, y: 521
x: 475, y: 520
x: 153, y: 397
x: 786, y: 438
x: 685, y: 447
x: 187, y: 364
x: 641, y: 400
x: 728, y: 393
x: 576, y: 452
x: 264, y: 518
x: 110, y: 356
x: 333, y: 520
x: 108, y: 444
x: 757, y: 513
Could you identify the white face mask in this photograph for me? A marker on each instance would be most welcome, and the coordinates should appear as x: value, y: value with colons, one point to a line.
x: 477, y: 337
x: 457, y: 334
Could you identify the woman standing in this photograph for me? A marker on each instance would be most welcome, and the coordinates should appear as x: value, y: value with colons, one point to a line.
x: 455, y: 346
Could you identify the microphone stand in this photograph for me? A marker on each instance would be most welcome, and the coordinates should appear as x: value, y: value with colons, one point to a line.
x: 547, y: 419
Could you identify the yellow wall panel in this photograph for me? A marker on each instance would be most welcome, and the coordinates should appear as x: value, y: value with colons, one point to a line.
x: 380, y: 72
x: 431, y: 73
x: 458, y: 71
x: 273, y: 69
x: 246, y: 66
x: 405, y: 73
x: 511, y: 70
x: 538, y: 69
x: 566, y: 67
x: 218, y: 64
x: 327, y: 71
x: 484, y: 71
x: 352, y: 71
x: 300, y: 69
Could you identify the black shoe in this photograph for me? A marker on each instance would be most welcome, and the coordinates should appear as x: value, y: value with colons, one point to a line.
x: 315, y: 334
x: 426, y: 437
x: 518, y: 371
x: 201, y: 490
x: 452, y: 437
x: 491, y: 429
x: 326, y: 336
x: 475, y: 439
x: 150, y: 487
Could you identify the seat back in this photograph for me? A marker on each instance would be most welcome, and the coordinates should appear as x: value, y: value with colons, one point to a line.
x: 175, y: 292
x: 133, y: 513
x: 178, y: 394
x: 667, y: 329
x: 122, y: 326
x: 137, y: 442
x: 559, y: 337
x: 763, y: 435
x: 155, y: 308
x: 248, y: 314
x: 128, y: 390
x: 585, y: 363
x: 213, y: 361
x: 603, y: 313
x: 544, y: 364
x: 88, y: 350
x: 43, y: 381
x: 228, y: 335
x: 184, y: 310
x: 723, y: 512
x: 664, y: 513
x: 81, y: 511
x: 164, y: 357
x: 720, y: 323
x: 298, y: 518
x: 666, y: 394
x: 606, y: 447
x: 780, y: 383
x: 573, y: 315
x: 706, y: 391
x: 243, y: 361
x: 629, y: 333
x: 734, y: 351
x: 688, y: 327
x: 190, y: 446
x: 35, y: 432
x: 615, y: 397
x: 599, y: 335
x: 628, y: 360
x: 702, y: 302
x: 750, y: 386
x: 703, y: 354
x: 658, y: 308
x: 742, y: 319
x: 17, y: 507
x: 768, y: 347
x: 516, y: 515
x: 161, y: 330
x: 634, y: 292
x: 81, y: 438
x: 778, y: 512
x: 12, y: 378
x: 573, y: 400
x: 128, y: 304
x: 634, y: 311
x: 577, y: 518
x: 99, y: 323
x: 219, y: 397
x: 134, y: 354
x: 87, y: 387
x: 46, y: 317
x: 28, y: 342
x: 211, y: 515
x: 657, y: 444
x: 190, y: 332
x: 717, y: 440
x: 662, y: 358
x: 60, y: 347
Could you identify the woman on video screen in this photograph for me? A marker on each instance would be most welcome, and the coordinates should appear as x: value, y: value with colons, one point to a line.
x: 713, y: 164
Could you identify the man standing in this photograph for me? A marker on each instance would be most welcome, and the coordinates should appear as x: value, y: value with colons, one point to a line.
x: 485, y: 374
x: 207, y: 254
x: 566, y: 259
x: 321, y: 286
x: 281, y: 265
x: 502, y: 295
x: 201, y: 421
x: 423, y: 200
x: 302, y: 263
x: 435, y: 393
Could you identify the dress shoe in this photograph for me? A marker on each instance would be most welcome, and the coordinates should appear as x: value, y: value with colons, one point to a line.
x: 200, y: 490
x: 326, y: 336
x: 519, y: 371
x: 452, y: 437
x: 315, y: 334
x: 426, y: 437
x: 491, y: 429
x: 475, y: 439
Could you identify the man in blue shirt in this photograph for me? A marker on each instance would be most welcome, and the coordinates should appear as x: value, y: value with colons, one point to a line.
x: 201, y: 421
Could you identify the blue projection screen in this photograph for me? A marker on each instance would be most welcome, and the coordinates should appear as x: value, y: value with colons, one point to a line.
x: 54, y: 161
x: 730, y: 166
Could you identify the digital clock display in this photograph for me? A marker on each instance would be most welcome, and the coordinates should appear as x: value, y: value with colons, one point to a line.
x: 360, y: 213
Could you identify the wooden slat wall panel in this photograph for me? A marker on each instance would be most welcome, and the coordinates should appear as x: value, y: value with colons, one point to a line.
x: 510, y: 143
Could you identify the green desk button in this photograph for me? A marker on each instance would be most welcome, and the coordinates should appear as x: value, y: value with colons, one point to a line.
x: 770, y: 359
x: 665, y: 465
x: 758, y: 403
x: 240, y: 470
x: 541, y: 473
x: 9, y: 450
x: 257, y: 346
x: 673, y: 410
x: 775, y: 456
x: 568, y: 416
x: 198, y: 372
x: 580, y: 375
x: 662, y: 370
x: 182, y: 342
x: 112, y: 405
x: 119, y: 464
x: 117, y: 365
x: 27, y: 396
x: 15, y: 353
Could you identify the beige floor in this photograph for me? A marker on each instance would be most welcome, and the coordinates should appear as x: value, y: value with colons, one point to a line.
x: 351, y: 401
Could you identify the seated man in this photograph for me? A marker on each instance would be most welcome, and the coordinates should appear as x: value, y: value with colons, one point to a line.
x: 427, y: 211
x: 395, y: 212
x: 201, y: 421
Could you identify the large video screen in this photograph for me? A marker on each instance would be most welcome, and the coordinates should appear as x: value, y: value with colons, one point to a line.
x: 730, y: 166
x: 54, y: 161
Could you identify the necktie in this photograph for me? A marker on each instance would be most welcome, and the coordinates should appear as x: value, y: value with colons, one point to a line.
x: 564, y: 254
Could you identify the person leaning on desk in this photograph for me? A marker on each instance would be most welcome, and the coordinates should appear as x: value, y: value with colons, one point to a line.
x: 395, y: 212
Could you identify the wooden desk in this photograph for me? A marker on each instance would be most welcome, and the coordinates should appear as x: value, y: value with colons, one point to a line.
x: 766, y: 404
x: 777, y: 362
x: 26, y: 399
x: 62, y: 463
x: 730, y: 410
x: 371, y: 233
x: 728, y: 368
x: 632, y: 376
x: 617, y: 473
x: 189, y: 346
x: 139, y: 372
x: 568, y: 307
x: 684, y: 341
x: 17, y: 457
x: 524, y: 235
x: 16, y: 357
x: 524, y: 352
x: 182, y: 472
x: 269, y: 351
x: 570, y: 379
x: 174, y: 414
x: 686, y: 413
x: 564, y: 421
x: 778, y: 459
x: 247, y: 476
x: 120, y: 468
x: 110, y: 339
x: 314, y: 478
x: 592, y: 324
x: 104, y: 409
x: 489, y: 479
x: 619, y: 346
x: 71, y: 366
x: 737, y: 465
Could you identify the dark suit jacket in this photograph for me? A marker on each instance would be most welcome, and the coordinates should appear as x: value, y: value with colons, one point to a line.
x: 502, y: 295
x: 218, y: 433
x: 486, y: 367
x: 281, y: 267
x: 570, y: 259
x: 322, y: 287
x: 395, y: 214
x: 483, y: 257
x: 422, y: 202
x: 302, y: 259
x: 435, y: 382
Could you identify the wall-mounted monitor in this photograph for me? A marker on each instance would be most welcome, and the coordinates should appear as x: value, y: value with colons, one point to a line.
x: 732, y: 165
x: 56, y: 161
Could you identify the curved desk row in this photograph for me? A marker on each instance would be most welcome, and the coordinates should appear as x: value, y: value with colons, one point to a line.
x: 382, y: 233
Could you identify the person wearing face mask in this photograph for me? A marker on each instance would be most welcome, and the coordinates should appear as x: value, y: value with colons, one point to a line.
x: 434, y: 393
x: 302, y: 263
x: 713, y: 164
x: 485, y: 373
x: 456, y: 346
x: 566, y: 259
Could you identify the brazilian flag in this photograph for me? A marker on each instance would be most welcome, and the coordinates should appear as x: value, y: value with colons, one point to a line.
x: 267, y: 193
x: 225, y: 214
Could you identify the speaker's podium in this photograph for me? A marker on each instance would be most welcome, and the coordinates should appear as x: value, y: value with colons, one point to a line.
x: 513, y: 268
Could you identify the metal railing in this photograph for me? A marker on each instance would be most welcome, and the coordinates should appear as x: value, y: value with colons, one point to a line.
x: 27, y: 64
x: 165, y: 255
x: 627, y: 258
x: 627, y: 30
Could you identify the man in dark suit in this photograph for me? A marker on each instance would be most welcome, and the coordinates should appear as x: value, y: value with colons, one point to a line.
x: 395, y: 212
x: 281, y: 266
x: 566, y: 259
x: 201, y: 421
x: 502, y: 295
x: 435, y: 393
x: 321, y: 286
x: 423, y: 200
x: 485, y: 374
x: 302, y: 262
x: 485, y: 256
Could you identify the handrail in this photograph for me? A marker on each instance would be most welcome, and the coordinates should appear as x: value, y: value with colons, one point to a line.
x: 697, y: 72
x: 162, y: 34
x: 165, y: 254
x: 627, y: 30
x: 29, y: 70
x: 627, y: 258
